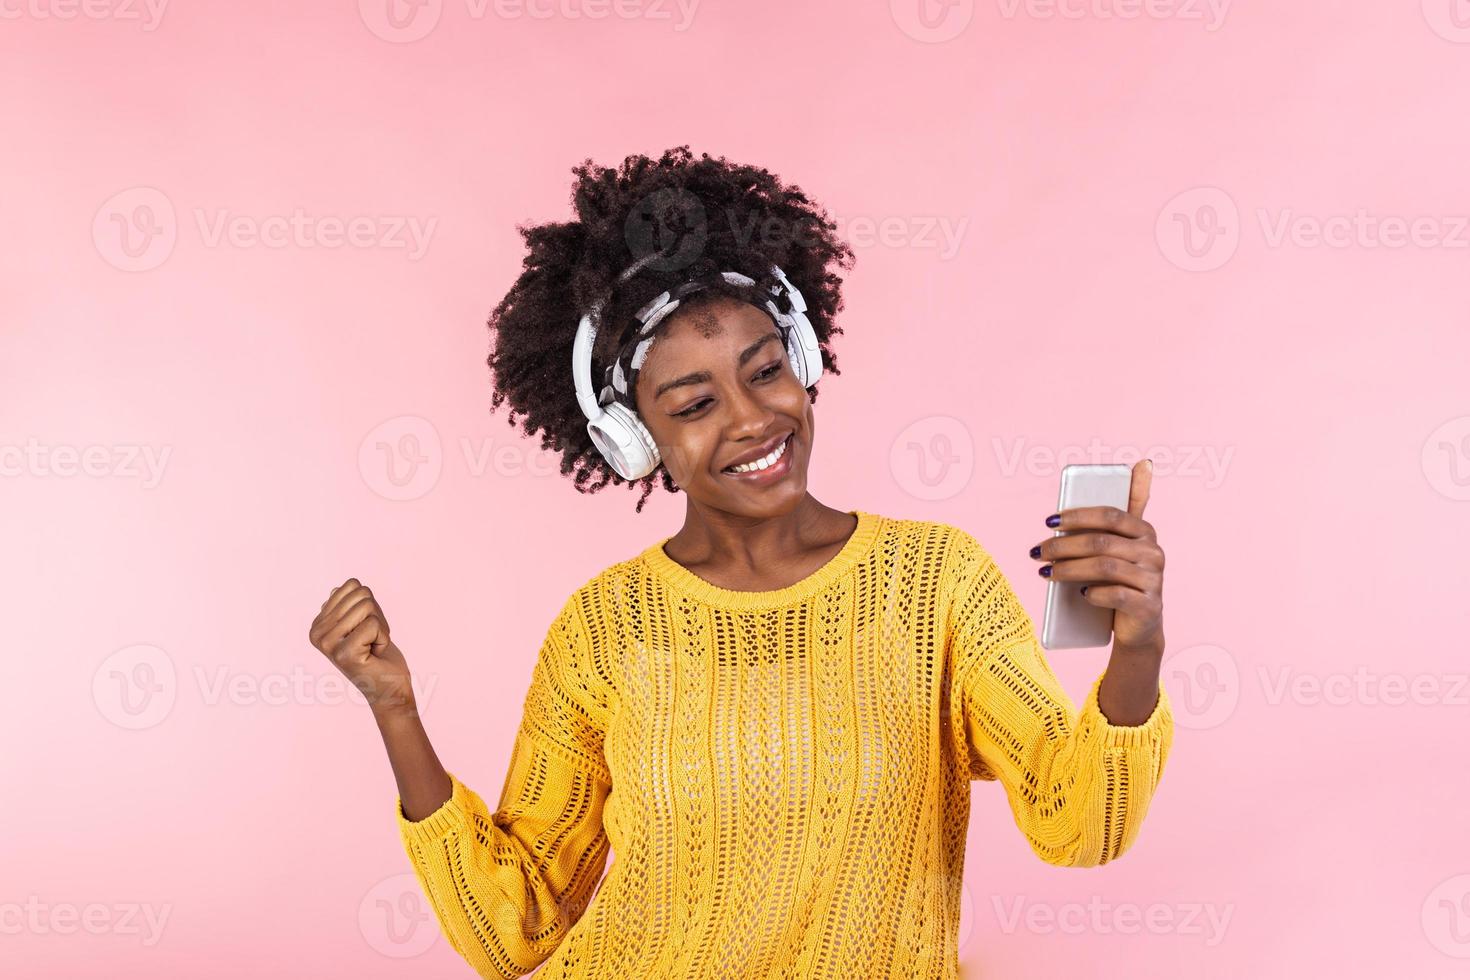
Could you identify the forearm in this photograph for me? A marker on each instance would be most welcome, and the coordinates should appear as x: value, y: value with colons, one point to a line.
x: 1129, y: 690
x: 423, y: 784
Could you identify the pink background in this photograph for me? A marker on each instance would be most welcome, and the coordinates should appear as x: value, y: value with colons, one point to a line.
x: 174, y: 746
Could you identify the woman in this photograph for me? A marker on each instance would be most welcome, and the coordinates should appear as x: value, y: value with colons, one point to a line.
x: 772, y: 717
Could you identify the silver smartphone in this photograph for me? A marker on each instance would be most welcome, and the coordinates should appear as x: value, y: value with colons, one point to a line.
x: 1071, y: 621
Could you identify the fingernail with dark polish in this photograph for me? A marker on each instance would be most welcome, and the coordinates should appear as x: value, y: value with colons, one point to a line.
x: 1036, y: 552
x: 1044, y: 571
x: 1084, y: 590
x: 1054, y: 520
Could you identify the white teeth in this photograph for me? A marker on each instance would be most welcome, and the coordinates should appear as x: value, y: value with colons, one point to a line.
x: 763, y: 462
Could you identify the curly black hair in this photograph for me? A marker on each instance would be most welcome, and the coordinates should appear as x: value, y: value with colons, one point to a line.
x: 697, y: 217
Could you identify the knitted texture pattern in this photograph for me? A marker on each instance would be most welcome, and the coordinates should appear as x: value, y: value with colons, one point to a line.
x: 782, y: 778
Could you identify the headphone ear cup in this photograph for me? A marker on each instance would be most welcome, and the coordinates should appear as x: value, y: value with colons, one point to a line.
x: 624, y: 442
x: 802, y: 349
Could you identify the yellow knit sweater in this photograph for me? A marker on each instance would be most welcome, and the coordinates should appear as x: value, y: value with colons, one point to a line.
x: 782, y: 777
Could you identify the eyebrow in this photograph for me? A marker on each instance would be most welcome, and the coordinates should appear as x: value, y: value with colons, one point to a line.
x: 700, y: 377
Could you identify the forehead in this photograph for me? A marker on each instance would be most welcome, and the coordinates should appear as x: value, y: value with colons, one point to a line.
x: 715, y: 330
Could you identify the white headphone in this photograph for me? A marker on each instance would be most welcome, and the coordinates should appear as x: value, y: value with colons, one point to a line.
x: 614, y: 427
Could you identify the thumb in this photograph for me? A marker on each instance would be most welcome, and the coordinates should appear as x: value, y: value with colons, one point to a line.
x: 1138, y: 488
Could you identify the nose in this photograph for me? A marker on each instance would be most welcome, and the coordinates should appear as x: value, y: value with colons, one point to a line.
x: 750, y: 417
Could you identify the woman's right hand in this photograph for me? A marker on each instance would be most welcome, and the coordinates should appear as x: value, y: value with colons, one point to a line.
x: 352, y: 632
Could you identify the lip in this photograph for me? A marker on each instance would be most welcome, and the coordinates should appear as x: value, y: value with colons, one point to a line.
x: 771, y: 473
x: 760, y: 452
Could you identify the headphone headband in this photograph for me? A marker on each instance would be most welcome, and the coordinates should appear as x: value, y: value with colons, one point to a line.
x: 620, y: 378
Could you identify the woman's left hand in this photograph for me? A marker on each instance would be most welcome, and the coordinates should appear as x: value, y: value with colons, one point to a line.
x: 1121, y: 561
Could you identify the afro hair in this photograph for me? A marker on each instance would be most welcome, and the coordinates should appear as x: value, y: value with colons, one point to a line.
x: 696, y: 217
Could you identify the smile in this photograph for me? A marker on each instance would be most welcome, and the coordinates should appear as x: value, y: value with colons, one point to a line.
x: 774, y: 464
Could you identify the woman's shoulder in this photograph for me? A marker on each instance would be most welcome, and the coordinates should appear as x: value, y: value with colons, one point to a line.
x: 591, y: 588
x: 933, y: 535
x: 952, y: 555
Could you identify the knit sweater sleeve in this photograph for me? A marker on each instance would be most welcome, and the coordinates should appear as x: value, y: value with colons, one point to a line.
x: 507, y: 885
x: 1078, y: 786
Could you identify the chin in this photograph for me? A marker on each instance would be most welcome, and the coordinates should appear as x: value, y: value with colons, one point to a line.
x: 768, y: 501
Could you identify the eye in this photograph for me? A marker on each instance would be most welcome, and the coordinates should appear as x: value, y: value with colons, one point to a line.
x: 764, y: 375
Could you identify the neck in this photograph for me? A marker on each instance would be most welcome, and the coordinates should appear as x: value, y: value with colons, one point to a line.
x: 741, y: 542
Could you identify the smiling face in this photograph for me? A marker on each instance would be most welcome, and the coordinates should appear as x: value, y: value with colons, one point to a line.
x: 718, y: 389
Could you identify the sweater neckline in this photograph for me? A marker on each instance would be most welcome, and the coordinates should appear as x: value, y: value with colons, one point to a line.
x: 857, y: 546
